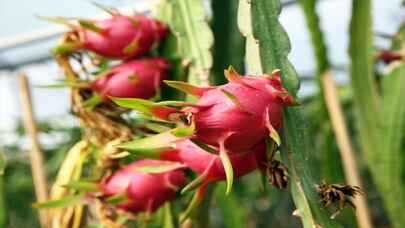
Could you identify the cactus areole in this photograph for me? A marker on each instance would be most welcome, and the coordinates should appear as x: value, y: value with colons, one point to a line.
x: 119, y: 37
x: 140, y: 78
x: 144, y: 192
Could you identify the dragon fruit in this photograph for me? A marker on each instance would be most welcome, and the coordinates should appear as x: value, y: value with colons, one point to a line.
x: 209, y: 162
x: 234, y: 117
x: 241, y: 113
x: 119, y: 37
x: 210, y: 165
x: 143, y: 191
x: 137, y: 78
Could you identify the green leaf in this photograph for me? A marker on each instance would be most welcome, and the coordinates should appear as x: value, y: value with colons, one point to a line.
x: 152, y: 146
x: 233, y: 98
x: 71, y: 200
x: 197, y: 182
x: 132, y: 46
x: 92, y: 101
x: 187, y: 88
x: 147, y: 107
x: 226, y: 162
x: 183, y: 132
x: 90, y: 25
x: 83, y: 185
x: 159, y: 168
x: 117, y: 198
x: 67, y: 83
x: 65, y: 48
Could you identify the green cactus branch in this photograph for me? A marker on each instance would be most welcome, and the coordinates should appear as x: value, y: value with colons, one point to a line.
x: 379, y: 117
x: 317, y: 39
x: 274, y: 47
x: 187, y: 20
x: 229, y: 45
x: 330, y: 103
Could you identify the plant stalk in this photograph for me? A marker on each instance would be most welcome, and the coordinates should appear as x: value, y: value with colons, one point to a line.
x: 37, y: 161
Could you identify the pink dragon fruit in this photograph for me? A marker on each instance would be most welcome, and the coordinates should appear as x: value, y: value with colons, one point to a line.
x: 119, y: 37
x: 234, y: 117
x: 209, y: 162
x: 241, y: 113
x: 143, y: 191
x: 210, y: 165
x: 137, y: 78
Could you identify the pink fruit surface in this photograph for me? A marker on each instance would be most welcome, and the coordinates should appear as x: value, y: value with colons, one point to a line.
x: 201, y: 161
x: 134, y: 79
x: 123, y: 37
x: 144, y: 192
x: 238, y: 114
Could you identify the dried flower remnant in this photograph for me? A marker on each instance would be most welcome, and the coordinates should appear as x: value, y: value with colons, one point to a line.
x: 338, y: 195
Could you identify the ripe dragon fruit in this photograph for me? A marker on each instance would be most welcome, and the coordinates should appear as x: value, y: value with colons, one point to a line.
x: 240, y: 114
x: 119, y: 37
x: 143, y: 191
x: 139, y: 78
x: 206, y: 162
x: 234, y: 117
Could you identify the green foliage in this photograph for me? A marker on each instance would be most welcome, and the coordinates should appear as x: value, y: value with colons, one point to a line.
x: 233, y: 214
x: 229, y: 44
x: 188, y: 23
x: 274, y: 47
x: 379, y: 117
x: 19, y: 189
x: 3, y: 209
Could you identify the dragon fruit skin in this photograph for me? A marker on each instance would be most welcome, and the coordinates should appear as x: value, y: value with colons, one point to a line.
x: 145, y: 192
x: 119, y: 37
x: 134, y: 79
x: 119, y: 32
x: 241, y: 123
x: 201, y: 161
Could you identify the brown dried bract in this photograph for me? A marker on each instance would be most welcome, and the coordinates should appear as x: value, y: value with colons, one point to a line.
x: 278, y: 174
x: 338, y: 195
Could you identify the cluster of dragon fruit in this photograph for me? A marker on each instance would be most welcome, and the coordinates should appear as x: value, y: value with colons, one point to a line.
x: 229, y: 130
